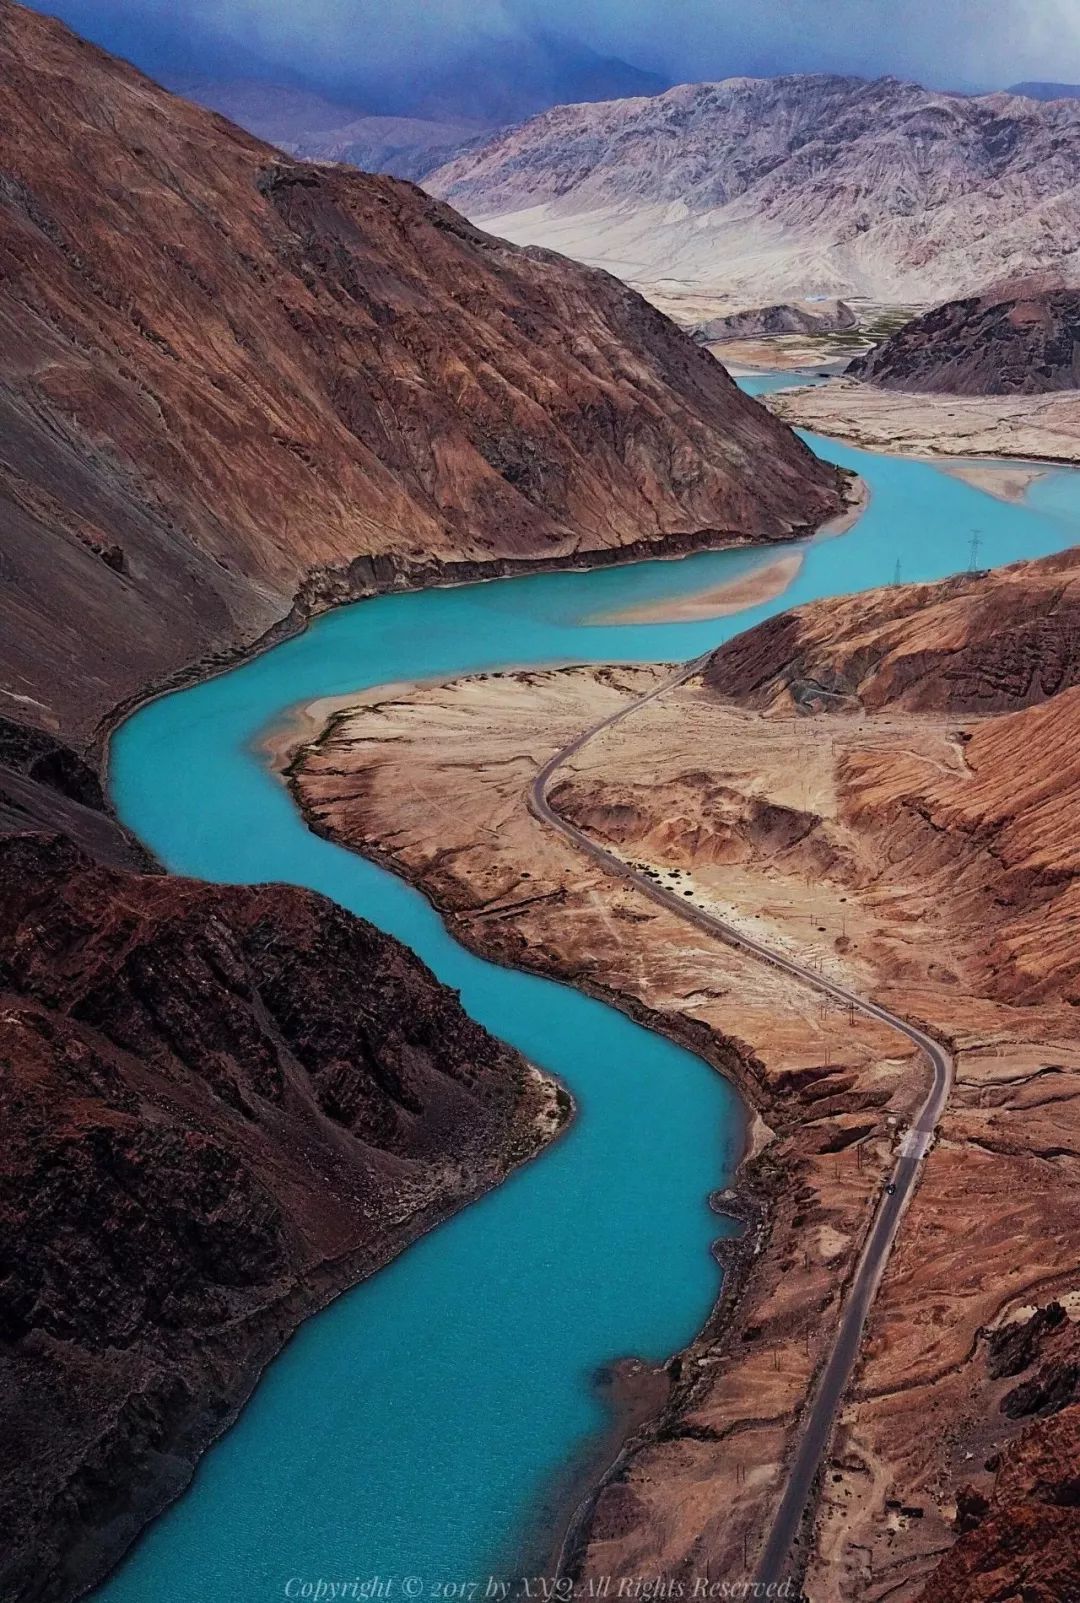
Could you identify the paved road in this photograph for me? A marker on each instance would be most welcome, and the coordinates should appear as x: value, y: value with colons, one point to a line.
x: 828, y: 1391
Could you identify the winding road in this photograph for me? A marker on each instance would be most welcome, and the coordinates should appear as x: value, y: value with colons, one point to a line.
x: 832, y: 1380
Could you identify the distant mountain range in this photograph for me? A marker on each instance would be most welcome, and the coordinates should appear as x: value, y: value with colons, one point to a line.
x: 306, y: 124
x: 412, y: 132
x: 506, y: 80
x: 1047, y: 91
x: 779, y: 188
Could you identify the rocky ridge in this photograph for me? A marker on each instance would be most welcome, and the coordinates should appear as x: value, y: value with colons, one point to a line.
x: 833, y: 317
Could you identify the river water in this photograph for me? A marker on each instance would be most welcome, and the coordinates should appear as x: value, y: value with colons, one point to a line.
x: 421, y: 1426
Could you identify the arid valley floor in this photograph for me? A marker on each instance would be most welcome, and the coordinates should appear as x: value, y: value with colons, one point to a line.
x: 891, y: 830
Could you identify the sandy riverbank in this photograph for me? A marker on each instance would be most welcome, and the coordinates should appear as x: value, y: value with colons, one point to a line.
x: 1008, y: 481
x: 745, y: 590
x: 1035, y: 428
x: 735, y: 595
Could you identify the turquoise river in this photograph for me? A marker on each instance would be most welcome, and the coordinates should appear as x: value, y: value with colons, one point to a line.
x: 422, y: 1425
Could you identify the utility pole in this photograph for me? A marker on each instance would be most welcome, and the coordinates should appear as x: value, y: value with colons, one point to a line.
x: 973, y: 554
x: 896, y: 572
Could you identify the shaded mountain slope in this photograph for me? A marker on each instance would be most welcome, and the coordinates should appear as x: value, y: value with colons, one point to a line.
x: 1021, y: 338
x: 304, y: 124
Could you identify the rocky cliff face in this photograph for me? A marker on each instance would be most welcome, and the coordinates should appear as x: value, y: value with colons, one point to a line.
x: 44, y: 784
x: 225, y: 378
x: 220, y: 1106
x: 1022, y: 1538
x: 789, y: 186
x: 1017, y: 339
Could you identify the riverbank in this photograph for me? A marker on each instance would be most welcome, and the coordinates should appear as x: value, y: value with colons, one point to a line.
x: 746, y: 590
x: 462, y: 847
x: 368, y: 578
x: 1035, y: 428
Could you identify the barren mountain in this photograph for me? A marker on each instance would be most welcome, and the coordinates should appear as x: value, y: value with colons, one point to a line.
x: 789, y: 186
x: 1021, y: 338
x: 407, y: 147
x: 227, y: 380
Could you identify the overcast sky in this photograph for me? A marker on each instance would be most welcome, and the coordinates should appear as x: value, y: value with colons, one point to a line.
x: 946, y: 43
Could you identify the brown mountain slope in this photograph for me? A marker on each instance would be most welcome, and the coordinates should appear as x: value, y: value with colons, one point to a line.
x: 1016, y: 339
x: 986, y: 642
x: 1002, y: 827
x: 224, y: 378
x: 220, y: 1106
x: 789, y: 186
x: 1023, y: 1540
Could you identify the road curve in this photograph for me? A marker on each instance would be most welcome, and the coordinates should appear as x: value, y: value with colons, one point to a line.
x: 831, y: 1382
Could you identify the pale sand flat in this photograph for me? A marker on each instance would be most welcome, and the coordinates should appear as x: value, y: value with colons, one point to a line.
x: 735, y: 595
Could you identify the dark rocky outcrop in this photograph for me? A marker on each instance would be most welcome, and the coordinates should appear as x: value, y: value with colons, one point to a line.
x: 1020, y: 1536
x: 220, y: 1106
x: 1017, y: 339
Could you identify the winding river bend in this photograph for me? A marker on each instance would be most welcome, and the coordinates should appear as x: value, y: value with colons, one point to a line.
x: 419, y: 1426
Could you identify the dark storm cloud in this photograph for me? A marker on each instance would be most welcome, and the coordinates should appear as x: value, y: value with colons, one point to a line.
x: 368, y: 42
